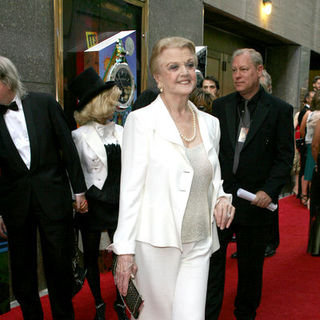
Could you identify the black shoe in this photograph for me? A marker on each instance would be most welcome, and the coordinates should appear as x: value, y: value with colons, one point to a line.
x: 234, y: 255
x: 100, y: 312
x: 269, y: 252
x: 121, y: 311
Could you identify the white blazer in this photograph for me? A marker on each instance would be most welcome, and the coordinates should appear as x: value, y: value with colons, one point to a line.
x: 92, y: 152
x: 156, y: 178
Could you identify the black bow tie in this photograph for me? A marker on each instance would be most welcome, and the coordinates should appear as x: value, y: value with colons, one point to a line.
x: 12, y: 106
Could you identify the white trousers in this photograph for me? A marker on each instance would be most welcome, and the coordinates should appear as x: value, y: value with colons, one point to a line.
x: 172, y: 283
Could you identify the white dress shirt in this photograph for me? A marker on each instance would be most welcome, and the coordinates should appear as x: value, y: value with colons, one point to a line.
x: 106, y: 132
x: 17, y: 127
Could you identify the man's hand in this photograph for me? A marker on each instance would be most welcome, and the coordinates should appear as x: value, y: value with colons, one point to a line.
x: 224, y: 213
x: 262, y: 200
x: 81, y: 203
x: 3, y: 229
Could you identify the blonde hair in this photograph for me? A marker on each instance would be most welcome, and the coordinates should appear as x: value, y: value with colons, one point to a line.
x: 202, y: 99
x: 101, y: 106
x: 170, y: 42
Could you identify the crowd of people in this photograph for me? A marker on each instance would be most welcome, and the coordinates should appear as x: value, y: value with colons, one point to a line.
x: 305, y: 167
x: 165, y: 187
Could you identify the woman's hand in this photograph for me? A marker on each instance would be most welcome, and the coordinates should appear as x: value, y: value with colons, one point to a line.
x: 224, y: 213
x: 126, y: 269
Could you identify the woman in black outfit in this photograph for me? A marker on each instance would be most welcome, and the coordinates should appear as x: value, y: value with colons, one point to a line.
x: 98, y: 142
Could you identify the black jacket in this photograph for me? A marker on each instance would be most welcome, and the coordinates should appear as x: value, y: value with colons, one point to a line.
x: 266, y: 157
x: 54, y: 159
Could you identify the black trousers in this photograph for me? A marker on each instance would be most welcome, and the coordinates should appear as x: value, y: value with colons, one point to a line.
x: 56, y: 243
x: 91, y: 243
x: 274, y: 235
x: 251, y: 245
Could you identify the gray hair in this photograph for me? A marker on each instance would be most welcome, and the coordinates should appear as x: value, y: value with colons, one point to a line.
x: 265, y: 81
x: 10, y: 77
x: 254, y: 55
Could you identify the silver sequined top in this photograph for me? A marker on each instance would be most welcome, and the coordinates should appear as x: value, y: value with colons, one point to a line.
x: 196, y: 220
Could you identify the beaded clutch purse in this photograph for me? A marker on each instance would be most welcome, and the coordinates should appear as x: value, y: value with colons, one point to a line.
x: 133, y: 300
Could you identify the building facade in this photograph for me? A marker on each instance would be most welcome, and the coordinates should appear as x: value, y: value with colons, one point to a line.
x: 41, y: 35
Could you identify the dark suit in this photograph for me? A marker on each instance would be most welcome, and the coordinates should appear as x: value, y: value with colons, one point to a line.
x: 264, y: 164
x: 145, y: 98
x: 40, y: 197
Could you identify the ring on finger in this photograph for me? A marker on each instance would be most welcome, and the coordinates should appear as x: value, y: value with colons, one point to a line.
x: 228, y: 215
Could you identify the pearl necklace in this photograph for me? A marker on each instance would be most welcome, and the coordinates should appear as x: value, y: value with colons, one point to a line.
x: 193, y: 123
x: 194, y: 127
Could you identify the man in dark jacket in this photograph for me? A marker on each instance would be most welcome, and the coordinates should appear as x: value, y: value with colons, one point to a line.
x: 256, y: 154
x: 37, y: 159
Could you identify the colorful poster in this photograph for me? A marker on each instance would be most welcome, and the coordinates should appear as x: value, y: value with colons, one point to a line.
x: 116, y: 59
x: 92, y: 39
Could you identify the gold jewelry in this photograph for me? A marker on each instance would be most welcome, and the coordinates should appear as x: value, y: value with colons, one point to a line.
x: 194, y: 127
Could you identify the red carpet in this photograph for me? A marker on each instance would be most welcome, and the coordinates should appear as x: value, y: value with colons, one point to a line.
x: 291, y: 288
x: 83, y: 303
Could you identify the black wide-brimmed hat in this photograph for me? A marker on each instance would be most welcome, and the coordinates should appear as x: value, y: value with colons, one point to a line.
x: 88, y: 85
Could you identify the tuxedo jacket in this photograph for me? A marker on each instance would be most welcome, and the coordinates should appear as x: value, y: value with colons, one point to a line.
x: 266, y: 157
x: 54, y: 159
x: 92, y: 152
x: 156, y: 178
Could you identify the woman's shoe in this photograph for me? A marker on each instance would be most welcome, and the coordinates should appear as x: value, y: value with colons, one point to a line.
x: 100, y: 312
x: 295, y: 191
x: 121, y: 311
x: 304, y: 199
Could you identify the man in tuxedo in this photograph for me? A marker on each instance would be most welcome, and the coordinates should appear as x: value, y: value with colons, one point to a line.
x: 256, y: 154
x: 37, y: 160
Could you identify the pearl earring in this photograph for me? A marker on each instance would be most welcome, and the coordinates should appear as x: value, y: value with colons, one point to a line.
x: 160, y: 87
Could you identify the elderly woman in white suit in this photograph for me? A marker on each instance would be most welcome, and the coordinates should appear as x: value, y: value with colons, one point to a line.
x: 171, y: 198
x: 98, y: 141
